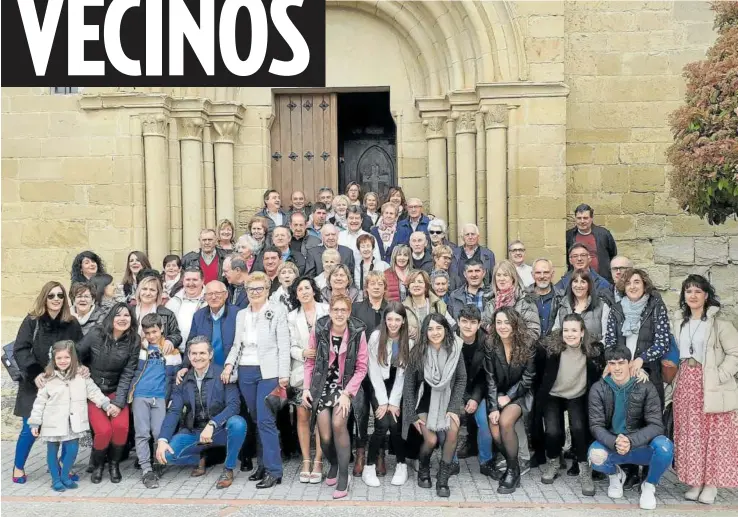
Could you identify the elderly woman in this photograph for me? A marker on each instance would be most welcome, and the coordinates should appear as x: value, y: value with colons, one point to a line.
x: 387, y: 233
x: 136, y: 261
x: 258, y: 229
x: 368, y: 260
x: 261, y: 352
x: 333, y: 380
x: 443, y: 256
x: 340, y: 212
x: 706, y: 396
x: 172, y: 275
x: 371, y: 208
x: 88, y: 314
x: 301, y: 321
x: 510, y: 370
x: 111, y: 352
x: 330, y: 259
x: 432, y: 394
x: 437, y: 230
x: 86, y: 265
x: 287, y: 272
x: 440, y: 284
x: 396, y: 275
x: 248, y: 248
x: 49, y: 321
x: 581, y: 298
x: 340, y: 283
x: 508, y: 291
x: 226, y: 235
x: 421, y: 301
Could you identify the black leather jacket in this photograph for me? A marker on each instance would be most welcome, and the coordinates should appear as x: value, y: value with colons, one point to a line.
x: 515, y: 381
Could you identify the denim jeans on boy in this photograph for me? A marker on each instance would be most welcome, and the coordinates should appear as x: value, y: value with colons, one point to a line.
x: 484, y: 435
x: 187, y: 448
x: 658, y: 455
x: 254, y: 390
x: 23, y: 445
x: 60, y: 467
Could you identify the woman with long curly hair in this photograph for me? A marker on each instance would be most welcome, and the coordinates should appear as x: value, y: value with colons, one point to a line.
x: 86, y: 265
x: 510, y: 368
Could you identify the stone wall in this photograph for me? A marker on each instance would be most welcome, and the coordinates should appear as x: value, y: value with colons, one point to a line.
x: 623, y: 63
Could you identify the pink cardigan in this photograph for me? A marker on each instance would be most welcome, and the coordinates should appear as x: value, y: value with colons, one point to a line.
x: 360, y: 369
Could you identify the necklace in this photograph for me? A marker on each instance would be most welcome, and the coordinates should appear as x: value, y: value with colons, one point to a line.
x: 691, y: 337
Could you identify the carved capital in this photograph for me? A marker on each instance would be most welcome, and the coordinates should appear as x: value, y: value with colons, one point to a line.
x: 225, y: 132
x: 154, y: 125
x: 190, y: 128
x: 495, y: 116
x: 435, y: 127
x: 465, y: 121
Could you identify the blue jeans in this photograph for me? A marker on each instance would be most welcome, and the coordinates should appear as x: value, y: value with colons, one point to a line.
x: 60, y: 470
x: 23, y: 446
x: 187, y: 448
x: 254, y: 390
x: 658, y: 455
x: 484, y: 435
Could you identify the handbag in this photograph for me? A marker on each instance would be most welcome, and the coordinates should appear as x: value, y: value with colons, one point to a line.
x: 276, y: 400
x: 8, y: 358
x: 670, y: 361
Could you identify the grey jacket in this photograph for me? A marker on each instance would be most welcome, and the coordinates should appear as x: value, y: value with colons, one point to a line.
x: 525, y: 306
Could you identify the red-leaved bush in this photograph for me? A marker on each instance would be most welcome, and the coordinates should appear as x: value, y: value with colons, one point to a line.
x: 704, y: 156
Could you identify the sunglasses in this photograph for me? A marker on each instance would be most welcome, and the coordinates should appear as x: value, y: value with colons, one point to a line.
x: 435, y: 232
x: 58, y: 296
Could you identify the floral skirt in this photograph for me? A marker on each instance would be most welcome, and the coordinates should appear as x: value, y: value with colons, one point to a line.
x: 331, y: 389
x: 705, y: 444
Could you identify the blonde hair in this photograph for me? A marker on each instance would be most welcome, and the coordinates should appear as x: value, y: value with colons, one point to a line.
x: 442, y: 250
x: 258, y: 276
x: 223, y: 224
x: 39, y: 306
x: 146, y: 281
x: 343, y: 198
x: 374, y: 275
x: 330, y: 252
x: 509, y: 269
x: 376, y: 198
x: 345, y: 269
x: 403, y: 249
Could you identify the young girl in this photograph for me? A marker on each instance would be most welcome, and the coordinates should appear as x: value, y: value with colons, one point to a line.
x: 59, y: 413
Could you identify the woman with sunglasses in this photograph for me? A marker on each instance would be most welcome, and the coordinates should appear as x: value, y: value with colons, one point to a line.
x: 49, y: 321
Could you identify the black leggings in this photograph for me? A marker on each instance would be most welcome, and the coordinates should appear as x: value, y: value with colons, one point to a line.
x: 381, y: 427
x: 553, y: 417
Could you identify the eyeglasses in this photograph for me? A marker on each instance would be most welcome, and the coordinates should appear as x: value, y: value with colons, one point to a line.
x: 435, y: 232
x: 579, y: 257
x: 518, y: 250
x: 620, y: 268
x: 415, y: 206
x: 58, y: 296
x: 255, y: 290
x: 84, y: 297
x: 213, y: 295
x: 339, y: 311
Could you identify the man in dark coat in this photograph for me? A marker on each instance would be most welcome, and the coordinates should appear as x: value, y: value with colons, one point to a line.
x: 598, y: 240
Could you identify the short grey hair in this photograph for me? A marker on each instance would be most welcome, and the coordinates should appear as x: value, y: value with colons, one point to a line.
x: 249, y: 242
x: 542, y: 259
x: 197, y: 340
x: 622, y: 257
x: 439, y: 273
x: 238, y: 263
x: 421, y: 234
x: 513, y: 243
x: 470, y: 225
x: 439, y: 223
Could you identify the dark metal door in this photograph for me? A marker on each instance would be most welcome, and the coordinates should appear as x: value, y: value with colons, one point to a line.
x: 369, y: 157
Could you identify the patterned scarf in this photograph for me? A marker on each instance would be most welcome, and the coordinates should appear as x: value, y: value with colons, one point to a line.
x: 386, y: 233
x: 505, y: 298
x: 632, y: 312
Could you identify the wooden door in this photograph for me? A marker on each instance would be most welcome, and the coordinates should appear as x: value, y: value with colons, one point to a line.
x: 304, y: 145
x: 370, y: 160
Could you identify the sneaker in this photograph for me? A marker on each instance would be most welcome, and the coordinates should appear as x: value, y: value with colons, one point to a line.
x: 369, y: 476
x: 648, y: 496
x: 150, y: 480
x: 400, y: 476
x: 550, y: 471
x: 615, y: 490
x: 585, y: 478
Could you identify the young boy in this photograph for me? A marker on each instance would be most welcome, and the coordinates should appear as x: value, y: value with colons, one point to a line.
x: 149, y: 392
x: 625, y: 419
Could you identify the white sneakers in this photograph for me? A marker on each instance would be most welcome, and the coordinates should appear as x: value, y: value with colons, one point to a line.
x: 369, y: 476
x: 648, y: 496
x: 400, y: 476
x: 615, y: 490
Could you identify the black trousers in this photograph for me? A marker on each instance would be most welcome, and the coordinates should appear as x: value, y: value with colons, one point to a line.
x: 555, y: 435
x: 381, y: 427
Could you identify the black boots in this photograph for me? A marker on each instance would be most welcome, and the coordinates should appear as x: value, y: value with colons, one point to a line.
x: 97, y: 460
x: 116, y: 455
x: 424, y: 476
x: 444, y: 471
x: 511, y: 480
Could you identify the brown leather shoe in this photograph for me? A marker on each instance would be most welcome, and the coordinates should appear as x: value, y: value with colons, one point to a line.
x: 381, y: 465
x: 359, y: 462
x: 225, y: 480
x: 199, y: 470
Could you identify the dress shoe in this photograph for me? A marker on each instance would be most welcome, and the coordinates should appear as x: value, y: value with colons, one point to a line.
x: 225, y: 480
x: 258, y: 474
x: 247, y: 465
x: 200, y: 469
x: 269, y: 481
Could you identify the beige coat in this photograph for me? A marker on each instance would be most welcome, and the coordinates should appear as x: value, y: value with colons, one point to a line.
x: 721, y: 365
x: 299, y: 336
x: 60, y: 407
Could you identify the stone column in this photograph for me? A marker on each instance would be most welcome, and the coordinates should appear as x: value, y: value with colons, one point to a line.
x: 435, y: 133
x: 495, y: 124
x: 466, y: 209
x: 224, y: 135
x: 481, y: 178
x: 208, y: 170
x: 157, y: 186
x: 451, y: 164
x: 190, y: 137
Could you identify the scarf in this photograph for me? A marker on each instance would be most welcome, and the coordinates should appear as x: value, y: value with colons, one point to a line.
x: 438, y: 372
x: 386, y: 233
x: 632, y: 312
x: 505, y: 298
x: 341, y: 220
x: 83, y: 319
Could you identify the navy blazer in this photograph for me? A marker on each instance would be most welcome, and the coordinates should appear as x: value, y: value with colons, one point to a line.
x: 402, y: 236
x: 223, y: 401
x: 202, y: 325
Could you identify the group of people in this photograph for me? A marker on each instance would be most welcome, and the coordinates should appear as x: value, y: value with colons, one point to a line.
x: 329, y: 314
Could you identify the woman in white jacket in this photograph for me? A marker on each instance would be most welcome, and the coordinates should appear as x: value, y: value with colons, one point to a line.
x: 305, y: 297
x: 389, y: 350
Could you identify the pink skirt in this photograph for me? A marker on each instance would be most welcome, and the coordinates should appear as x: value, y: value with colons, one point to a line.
x: 705, y: 444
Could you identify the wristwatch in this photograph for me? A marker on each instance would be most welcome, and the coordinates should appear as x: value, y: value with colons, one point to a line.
x: 215, y: 426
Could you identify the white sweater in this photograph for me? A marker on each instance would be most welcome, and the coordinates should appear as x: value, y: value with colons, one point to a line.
x: 378, y: 373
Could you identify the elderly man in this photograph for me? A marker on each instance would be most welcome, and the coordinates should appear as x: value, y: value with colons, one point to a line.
x: 325, y: 196
x: 281, y: 237
x: 353, y: 231
x: 416, y: 220
x: 516, y: 254
x: 299, y: 205
x: 422, y: 257
x: 330, y: 241
x: 210, y: 415
x: 598, y: 240
x: 473, y: 290
x: 301, y: 241
x: 187, y: 301
x: 272, y: 210
x: 580, y: 260
x: 438, y: 234
x: 543, y: 293
x: 317, y: 220
x: 208, y: 258
x: 618, y: 265
x: 472, y: 250
x: 236, y: 273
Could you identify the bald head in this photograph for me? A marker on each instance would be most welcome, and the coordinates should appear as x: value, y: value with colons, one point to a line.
x: 330, y: 235
x: 418, y: 242
x: 618, y: 265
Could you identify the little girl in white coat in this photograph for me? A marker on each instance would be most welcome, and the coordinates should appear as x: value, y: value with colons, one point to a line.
x: 59, y: 412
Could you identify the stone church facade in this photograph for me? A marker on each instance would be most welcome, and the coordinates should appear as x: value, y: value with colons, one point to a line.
x: 505, y: 113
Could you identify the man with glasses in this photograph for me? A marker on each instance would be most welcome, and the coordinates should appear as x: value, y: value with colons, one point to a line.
x: 618, y: 266
x: 579, y: 260
x: 472, y: 250
x: 516, y: 253
x: 416, y: 220
x: 209, y: 258
x: 598, y: 240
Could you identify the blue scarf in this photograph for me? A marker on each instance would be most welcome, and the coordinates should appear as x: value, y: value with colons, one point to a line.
x: 632, y: 312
